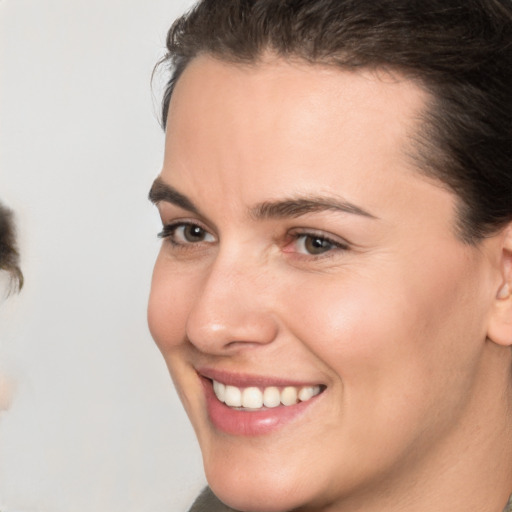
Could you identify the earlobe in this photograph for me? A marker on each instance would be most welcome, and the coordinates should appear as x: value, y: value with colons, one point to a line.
x: 500, y: 326
x: 504, y: 292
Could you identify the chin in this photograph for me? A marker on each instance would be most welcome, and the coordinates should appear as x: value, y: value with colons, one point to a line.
x: 270, y: 497
x: 260, y: 487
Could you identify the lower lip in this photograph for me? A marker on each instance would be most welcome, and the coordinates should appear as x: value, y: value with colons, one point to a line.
x: 250, y: 423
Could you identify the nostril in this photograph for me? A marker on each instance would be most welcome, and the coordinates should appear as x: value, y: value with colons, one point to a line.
x: 242, y: 344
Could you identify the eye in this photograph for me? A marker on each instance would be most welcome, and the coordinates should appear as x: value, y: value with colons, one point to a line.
x: 313, y: 244
x: 185, y: 233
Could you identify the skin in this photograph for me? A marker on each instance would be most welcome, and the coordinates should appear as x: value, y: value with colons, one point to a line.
x: 394, y: 317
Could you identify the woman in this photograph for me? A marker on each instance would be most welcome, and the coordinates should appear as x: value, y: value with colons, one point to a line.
x: 333, y: 292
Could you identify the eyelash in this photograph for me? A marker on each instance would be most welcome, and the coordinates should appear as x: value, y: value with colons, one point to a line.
x: 335, y: 245
x: 168, y: 233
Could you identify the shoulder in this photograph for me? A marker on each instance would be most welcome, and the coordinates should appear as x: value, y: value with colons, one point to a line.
x: 208, y: 502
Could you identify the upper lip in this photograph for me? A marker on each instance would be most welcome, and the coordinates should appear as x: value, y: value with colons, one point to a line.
x: 244, y: 380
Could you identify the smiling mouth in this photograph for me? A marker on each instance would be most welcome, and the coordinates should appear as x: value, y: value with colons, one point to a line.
x: 254, y: 398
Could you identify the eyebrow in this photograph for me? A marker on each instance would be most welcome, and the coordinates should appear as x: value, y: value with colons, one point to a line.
x: 160, y: 191
x: 286, y: 208
x: 298, y: 206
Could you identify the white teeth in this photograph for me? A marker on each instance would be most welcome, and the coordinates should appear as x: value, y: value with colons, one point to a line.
x: 254, y: 398
x: 271, y: 397
x: 289, y: 396
x: 220, y: 390
x: 232, y: 396
x: 307, y: 393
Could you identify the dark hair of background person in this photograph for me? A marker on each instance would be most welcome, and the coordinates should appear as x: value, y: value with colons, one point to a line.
x: 9, y: 257
x: 459, y: 51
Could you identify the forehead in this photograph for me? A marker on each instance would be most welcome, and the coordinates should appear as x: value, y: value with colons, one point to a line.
x: 210, y: 85
x: 276, y: 102
x: 293, y: 127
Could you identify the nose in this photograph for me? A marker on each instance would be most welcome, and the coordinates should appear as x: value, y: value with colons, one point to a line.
x: 232, y: 310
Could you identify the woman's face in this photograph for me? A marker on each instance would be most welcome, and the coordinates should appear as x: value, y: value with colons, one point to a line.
x: 302, y: 250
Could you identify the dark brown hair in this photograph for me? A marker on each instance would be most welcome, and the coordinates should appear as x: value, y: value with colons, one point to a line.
x: 460, y: 51
x: 9, y: 257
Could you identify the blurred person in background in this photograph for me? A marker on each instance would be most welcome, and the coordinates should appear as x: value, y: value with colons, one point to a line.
x: 9, y: 264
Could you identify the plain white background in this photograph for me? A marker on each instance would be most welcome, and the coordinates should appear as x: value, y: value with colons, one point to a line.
x: 95, y: 424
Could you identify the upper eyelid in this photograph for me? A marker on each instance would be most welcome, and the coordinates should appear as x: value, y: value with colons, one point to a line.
x: 169, y: 227
x: 186, y: 222
x: 180, y: 214
x: 334, y: 239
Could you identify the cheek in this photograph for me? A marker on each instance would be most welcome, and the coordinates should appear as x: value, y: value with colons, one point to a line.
x: 393, y: 341
x: 385, y: 351
x: 169, y: 305
x: 349, y: 327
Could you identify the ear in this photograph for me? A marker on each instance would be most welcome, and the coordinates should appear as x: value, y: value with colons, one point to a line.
x: 500, y: 325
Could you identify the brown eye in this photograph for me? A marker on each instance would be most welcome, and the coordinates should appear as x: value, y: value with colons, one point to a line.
x: 193, y: 233
x: 315, y: 245
x: 186, y: 233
